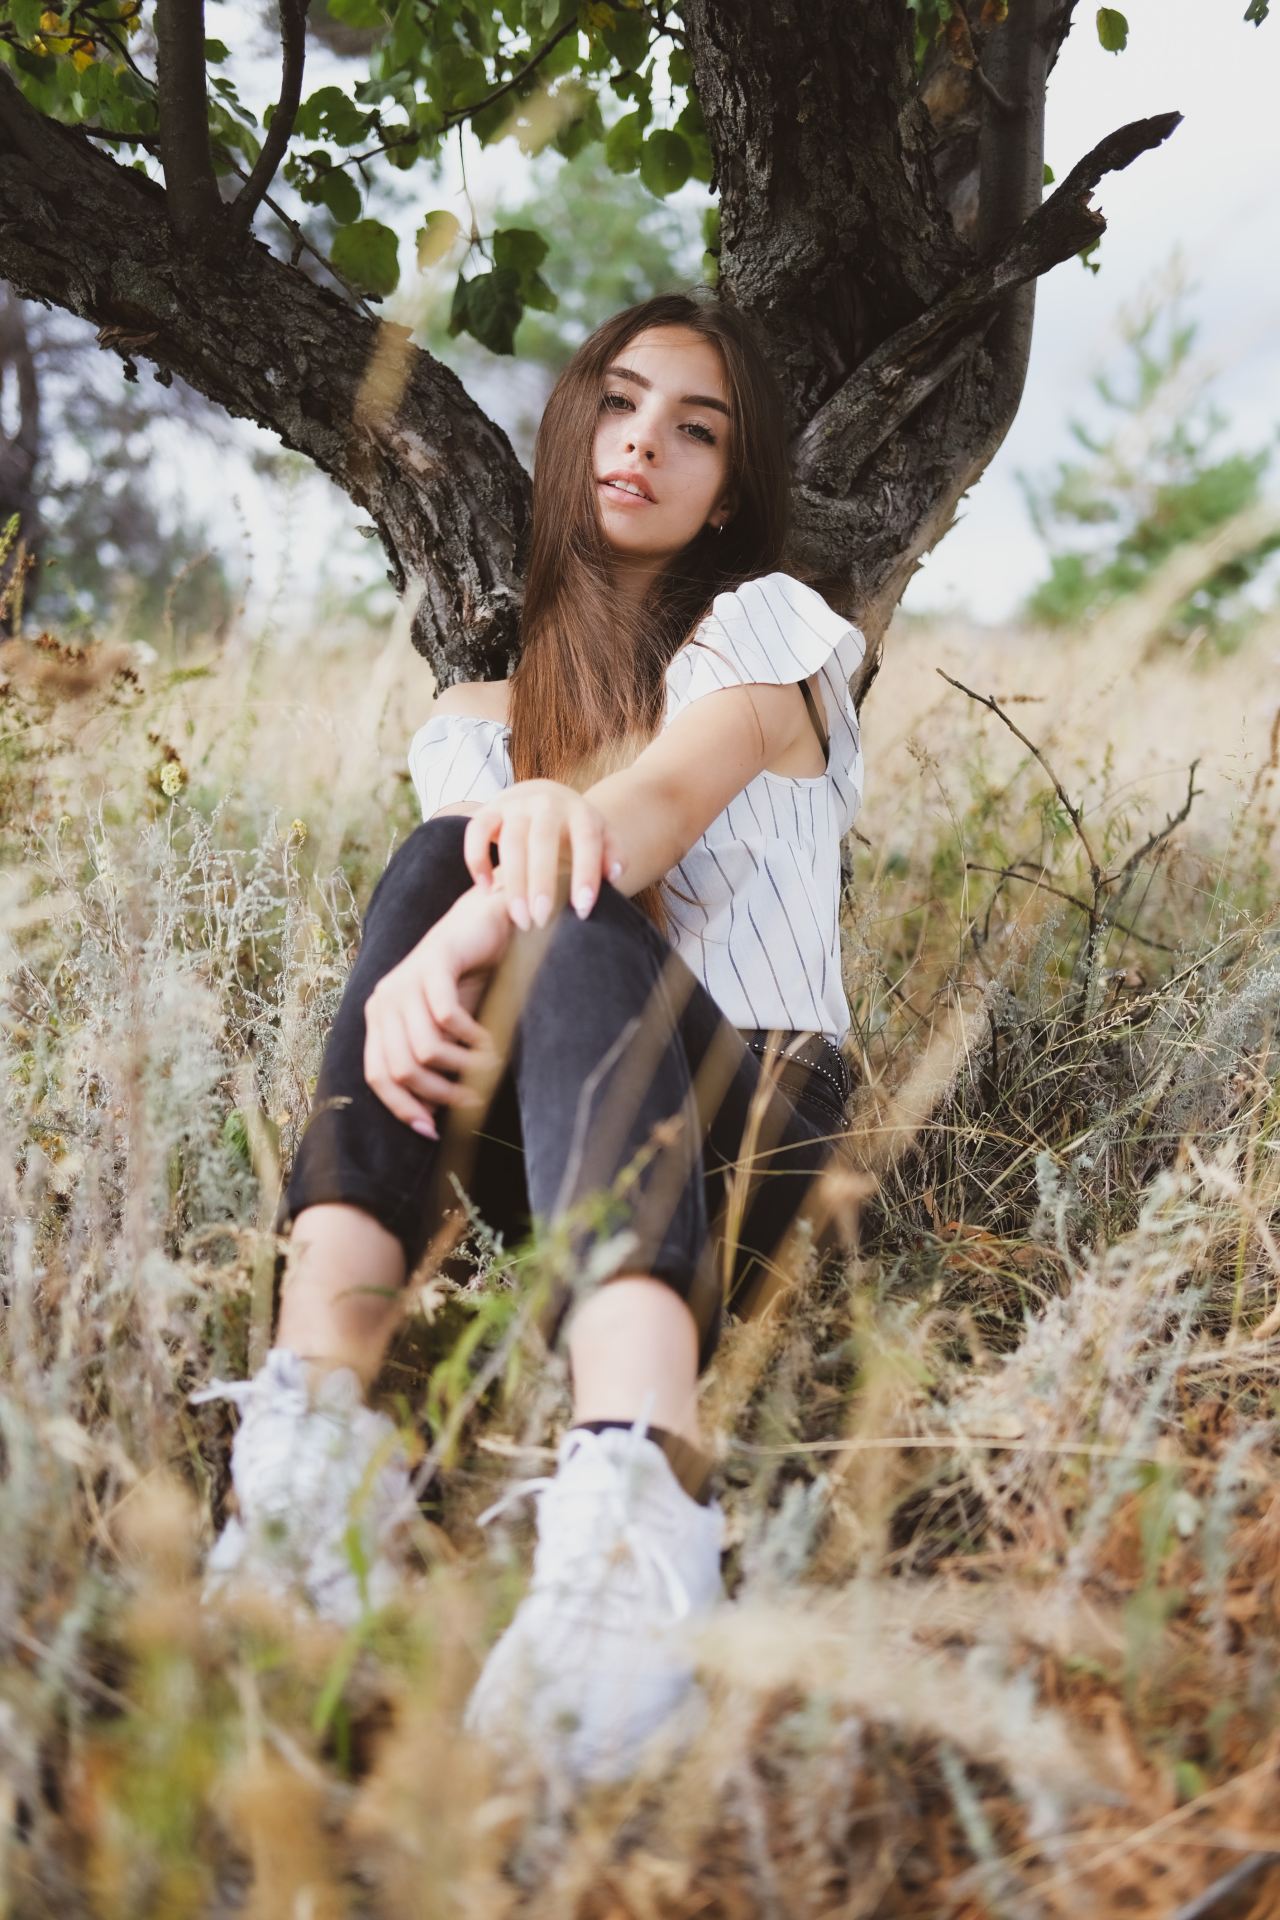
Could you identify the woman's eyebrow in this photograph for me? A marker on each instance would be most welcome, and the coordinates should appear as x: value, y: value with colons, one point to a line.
x: 686, y: 399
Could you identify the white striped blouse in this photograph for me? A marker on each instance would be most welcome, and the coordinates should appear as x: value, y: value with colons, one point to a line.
x: 762, y: 931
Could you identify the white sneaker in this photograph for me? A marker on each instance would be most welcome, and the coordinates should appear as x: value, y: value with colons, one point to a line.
x: 322, y: 1489
x: 594, y: 1662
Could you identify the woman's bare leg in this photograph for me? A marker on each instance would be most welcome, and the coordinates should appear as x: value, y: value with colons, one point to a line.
x: 341, y: 1297
x: 341, y: 1300
x: 632, y: 1337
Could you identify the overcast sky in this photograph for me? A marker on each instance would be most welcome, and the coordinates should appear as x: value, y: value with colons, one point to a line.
x: 1208, y: 193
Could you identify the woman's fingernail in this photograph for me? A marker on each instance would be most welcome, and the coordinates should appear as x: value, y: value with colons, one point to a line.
x: 583, y: 900
x: 520, y: 914
x: 542, y: 910
x: 425, y: 1126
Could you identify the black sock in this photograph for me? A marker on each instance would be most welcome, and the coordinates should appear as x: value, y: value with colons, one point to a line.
x: 690, y: 1465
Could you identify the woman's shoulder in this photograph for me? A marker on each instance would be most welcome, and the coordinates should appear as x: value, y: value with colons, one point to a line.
x: 771, y: 627
x: 475, y: 700
x: 783, y: 597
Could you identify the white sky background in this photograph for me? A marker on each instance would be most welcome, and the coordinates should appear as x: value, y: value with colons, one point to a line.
x: 1208, y: 193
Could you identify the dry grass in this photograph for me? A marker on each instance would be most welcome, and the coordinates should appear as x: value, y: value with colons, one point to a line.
x: 1001, y: 1487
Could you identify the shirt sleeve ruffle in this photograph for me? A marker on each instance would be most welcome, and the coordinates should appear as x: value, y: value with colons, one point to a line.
x: 458, y: 756
x: 776, y: 630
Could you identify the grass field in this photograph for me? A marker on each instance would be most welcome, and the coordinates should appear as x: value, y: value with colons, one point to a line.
x: 1001, y: 1486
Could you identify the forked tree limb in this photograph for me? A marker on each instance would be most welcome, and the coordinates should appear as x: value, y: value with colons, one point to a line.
x: 891, y: 382
x: 293, y: 47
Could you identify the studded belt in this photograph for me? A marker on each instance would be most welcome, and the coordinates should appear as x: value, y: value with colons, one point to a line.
x: 823, y: 1069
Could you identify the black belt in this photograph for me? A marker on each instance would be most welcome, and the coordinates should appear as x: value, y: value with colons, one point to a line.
x: 823, y: 1069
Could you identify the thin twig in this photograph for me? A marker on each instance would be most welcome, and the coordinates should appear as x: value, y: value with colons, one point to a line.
x: 1174, y: 820
x: 1073, y: 899
x: 1228, y: 1883
x: 457, y: 117
x: 1073, y: 812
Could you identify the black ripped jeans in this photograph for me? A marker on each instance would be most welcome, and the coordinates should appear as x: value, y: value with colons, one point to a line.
x: 616, y: 1062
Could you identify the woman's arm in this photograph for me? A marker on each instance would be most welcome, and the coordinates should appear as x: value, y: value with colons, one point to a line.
x: 687, y: 775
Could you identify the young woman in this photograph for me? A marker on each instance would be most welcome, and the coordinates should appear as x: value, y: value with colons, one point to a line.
x: 642, y: 998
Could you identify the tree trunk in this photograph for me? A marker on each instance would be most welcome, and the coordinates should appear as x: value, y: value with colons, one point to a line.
x: 19, y: 449
x: 886, y: 236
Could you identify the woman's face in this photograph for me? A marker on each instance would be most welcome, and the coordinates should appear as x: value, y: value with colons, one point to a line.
x: 663, y: 420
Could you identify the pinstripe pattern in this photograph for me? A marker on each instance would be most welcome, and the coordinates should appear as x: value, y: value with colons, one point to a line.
x: 766, y: 874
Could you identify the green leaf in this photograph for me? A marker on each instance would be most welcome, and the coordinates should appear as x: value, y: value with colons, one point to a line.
x: 339, y: 192
x: 622, y: 143
x: 535, y: 292
x: 1257, y: 11
x: 494, y: 308
x: 458, y: 77
x: 215, y: 52
x: 358, y: 13
x: 403, y: 152
x: 366, y: 253
x: 522, y: 250
x: 1048, y: 174
x: 458, y: 307
x: 628, y: 40
x: 694, y: 129
x: 691, y: 122
x: 581, y: 130
x: 436, y: 235
x: 680, y: 68
x: 665, y: 162
x: 25, y: 15
x: 1113, y: 29
x: 331, y: 114
x: 518, y: 247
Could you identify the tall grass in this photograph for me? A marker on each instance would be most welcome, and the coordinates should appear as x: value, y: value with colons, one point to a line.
x: 1000, y: 1484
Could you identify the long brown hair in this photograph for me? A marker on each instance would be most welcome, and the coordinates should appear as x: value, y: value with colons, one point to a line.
x: 587, y: 693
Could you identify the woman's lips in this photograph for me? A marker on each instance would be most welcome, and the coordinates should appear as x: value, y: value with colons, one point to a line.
x: 620, y: 494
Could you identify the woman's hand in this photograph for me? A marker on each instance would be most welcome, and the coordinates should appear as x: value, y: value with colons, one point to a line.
x: 532, y: 823
x: 419, y: 1023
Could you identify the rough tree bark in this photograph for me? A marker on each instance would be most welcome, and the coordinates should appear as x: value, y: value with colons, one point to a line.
x: 19, y: 440
x: 886, y: 233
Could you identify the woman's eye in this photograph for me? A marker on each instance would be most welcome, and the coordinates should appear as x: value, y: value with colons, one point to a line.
x: 613, y: 401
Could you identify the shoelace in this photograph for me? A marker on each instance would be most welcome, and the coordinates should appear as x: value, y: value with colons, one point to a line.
x: 281, y: 1371
x: 649, y: 1557
x: 239, y: 1392
x: 280, y: 1374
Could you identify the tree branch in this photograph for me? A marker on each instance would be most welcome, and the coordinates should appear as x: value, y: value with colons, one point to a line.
x: 892, y: 382
x: 1011, y: 187
x: 193, y: 200
x: 293, y: 44
x: 387, y: 421
x: 831, y: 243
x: 1072, y: 811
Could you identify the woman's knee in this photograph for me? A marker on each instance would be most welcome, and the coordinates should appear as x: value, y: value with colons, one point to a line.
x: 614, y: 925
x: 428, y: 865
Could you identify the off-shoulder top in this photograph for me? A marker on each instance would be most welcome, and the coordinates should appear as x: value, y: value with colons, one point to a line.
x: 762, y: 930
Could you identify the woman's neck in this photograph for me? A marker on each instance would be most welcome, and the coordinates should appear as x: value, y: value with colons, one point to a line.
x: 633, y: 576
